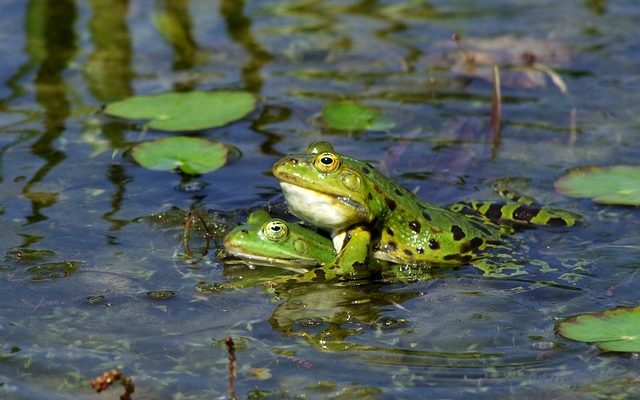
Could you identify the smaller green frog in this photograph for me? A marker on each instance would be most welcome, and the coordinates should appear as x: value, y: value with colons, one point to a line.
x: 264, y: 240
x: 267, y: 241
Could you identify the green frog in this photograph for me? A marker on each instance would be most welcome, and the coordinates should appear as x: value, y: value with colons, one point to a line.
x: 264, y: 240
x: 364, y: 210
x: 267, y: 241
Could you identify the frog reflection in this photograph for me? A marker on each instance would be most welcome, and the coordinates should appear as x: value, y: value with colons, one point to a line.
x: 326, y: 314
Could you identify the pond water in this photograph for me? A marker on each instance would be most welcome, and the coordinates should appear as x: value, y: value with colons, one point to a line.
x: 89, y: 237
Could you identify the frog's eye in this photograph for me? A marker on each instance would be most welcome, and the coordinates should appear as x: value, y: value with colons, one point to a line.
x: 275, y: 230
x: 327, y: 162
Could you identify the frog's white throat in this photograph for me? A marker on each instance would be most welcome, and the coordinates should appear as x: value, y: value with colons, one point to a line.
x: 321, y: 209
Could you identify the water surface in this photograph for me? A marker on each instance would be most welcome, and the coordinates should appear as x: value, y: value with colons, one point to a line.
x: 87, y: 233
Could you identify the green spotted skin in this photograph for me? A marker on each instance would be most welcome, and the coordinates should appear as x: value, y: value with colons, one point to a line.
x: 518, y: 212
x: 337, y: 192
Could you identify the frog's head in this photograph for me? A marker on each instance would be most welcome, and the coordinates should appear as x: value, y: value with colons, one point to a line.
x: 264, y: 240
x: 325, y: 188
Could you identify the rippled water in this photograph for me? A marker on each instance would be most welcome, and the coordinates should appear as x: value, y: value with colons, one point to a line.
x: 87, y: 233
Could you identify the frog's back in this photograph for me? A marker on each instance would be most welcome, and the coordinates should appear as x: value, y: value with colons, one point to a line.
x: 425, y: 233
x: 413, y: 231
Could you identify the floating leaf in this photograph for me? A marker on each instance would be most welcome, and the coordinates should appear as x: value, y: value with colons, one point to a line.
x: 185, y: 111
x: 161, y: 294
x: 27, y: 255
x: 53, y: 270
x: 260, y: 373
x: 205, y: 287
x: 617, y: 329
x: 191, y: 155
x: 351, y: 116
x: 609, y: 185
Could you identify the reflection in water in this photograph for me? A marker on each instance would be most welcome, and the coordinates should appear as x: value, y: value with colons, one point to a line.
x: 108, y: 67
x: 173, y: 21
x: 325, y: 314
x: 239, y: 29
x: 597, y: 6
x: 493, y: 339
x: 109, y: 75
x: 271, y: 114
x: 59, y: 46
x: 119, y: 180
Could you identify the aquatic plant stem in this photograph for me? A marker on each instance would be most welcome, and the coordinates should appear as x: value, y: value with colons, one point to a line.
x: 496, y: 111
x: 189, y: 221
x: 232, y: 367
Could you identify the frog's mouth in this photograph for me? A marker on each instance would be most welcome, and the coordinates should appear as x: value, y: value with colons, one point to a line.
x: 233, y: 255
x: 321, y: 209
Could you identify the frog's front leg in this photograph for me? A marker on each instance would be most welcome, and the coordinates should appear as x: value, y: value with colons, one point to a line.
x: 353, y: 249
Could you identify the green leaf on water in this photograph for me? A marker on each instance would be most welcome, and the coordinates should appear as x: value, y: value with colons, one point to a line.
x: 185, y: 111
x: 191, y: 155
x: 617, y: 329
x: 609, y: 185
x: 351, y: 116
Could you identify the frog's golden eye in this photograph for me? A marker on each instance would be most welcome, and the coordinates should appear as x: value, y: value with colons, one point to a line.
x: 327, y: 162
x: 275, y: 230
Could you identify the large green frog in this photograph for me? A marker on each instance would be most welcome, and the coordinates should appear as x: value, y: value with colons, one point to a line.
x: 364, y: 209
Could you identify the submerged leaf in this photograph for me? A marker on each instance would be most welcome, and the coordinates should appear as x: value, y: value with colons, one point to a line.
x: 351, y: 116
x: 20, y: 254
x: 53, y: 270
x: 617, y: 329
x: 191, y: 155
x: 185, y: 111
x: 609, y: 185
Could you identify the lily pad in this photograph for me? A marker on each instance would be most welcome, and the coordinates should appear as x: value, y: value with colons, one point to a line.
x: 191, y: 155
x: 617, y: 329
x: 608, y: 185
x: 185, y: 111
x: 351, y: 116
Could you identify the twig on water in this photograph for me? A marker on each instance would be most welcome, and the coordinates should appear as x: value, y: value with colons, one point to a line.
x: 232, y: 367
